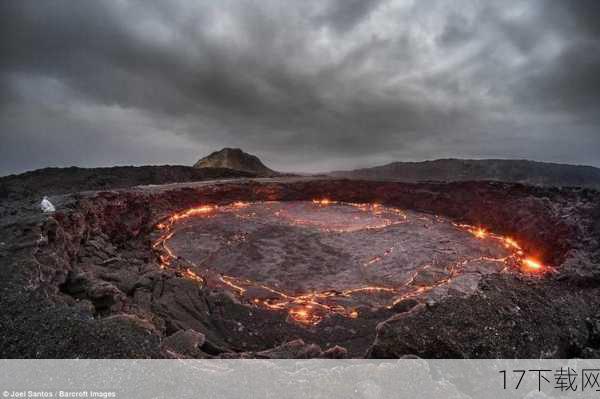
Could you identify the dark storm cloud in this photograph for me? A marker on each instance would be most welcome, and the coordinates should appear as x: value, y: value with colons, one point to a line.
x: 309, y: 85
x: 570, y: 82
x: 343, y: 15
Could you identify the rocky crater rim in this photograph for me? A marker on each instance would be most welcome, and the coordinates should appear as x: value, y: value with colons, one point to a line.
x: 95, y: 239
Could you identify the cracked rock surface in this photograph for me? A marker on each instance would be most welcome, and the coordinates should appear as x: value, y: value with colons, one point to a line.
x: 85, y: 281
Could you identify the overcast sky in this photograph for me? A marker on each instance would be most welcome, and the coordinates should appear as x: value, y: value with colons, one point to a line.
x: 306, y: 85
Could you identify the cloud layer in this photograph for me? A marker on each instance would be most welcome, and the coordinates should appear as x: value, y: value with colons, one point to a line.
x: 310, y: 85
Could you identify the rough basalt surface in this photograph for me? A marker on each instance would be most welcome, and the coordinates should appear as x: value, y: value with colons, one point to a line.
x: 85, y: 282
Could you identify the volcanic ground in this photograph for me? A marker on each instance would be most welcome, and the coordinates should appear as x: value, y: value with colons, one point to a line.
x: 315, y: 258
x: 302, y: 267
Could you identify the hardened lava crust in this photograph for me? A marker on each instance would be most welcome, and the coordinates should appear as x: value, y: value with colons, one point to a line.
x: 300, y: 268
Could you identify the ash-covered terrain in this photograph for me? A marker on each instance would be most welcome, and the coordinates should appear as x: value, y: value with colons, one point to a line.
x: 299, y: 267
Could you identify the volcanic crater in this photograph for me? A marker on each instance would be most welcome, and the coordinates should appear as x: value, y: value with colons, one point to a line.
x: 317, y: 258
x: 305, y: 267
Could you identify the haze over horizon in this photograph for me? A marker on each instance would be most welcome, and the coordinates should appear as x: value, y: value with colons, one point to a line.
x: 307, y: 86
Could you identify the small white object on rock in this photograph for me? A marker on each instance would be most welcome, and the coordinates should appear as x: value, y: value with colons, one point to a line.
x: 47, y: 206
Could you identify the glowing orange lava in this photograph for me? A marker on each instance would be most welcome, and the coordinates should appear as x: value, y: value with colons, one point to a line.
x: 305, y: 315
x: 193, y: 212
x: 480, y: 233
x: 527, y: 264
x: 510, y: 243
x: 324, y: 201
x: 192, y: 276
x: 532, y: 265
x: 311, y: 308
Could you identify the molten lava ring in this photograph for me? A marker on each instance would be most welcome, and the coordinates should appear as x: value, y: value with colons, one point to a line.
x: 315, y: 259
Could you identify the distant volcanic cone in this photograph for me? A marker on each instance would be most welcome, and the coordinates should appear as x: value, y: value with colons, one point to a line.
x: 236, y: 159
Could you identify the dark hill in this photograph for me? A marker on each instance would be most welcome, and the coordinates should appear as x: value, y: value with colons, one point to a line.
x: 235, y: 159
x: 519, y: 171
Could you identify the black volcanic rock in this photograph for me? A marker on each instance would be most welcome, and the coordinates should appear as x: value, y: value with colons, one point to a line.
x: 517, y: 171
x: 84, y: 281
x: 53, y: 181
x: 235, y: 159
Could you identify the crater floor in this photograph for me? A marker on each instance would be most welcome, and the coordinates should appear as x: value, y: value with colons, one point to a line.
x: 314, y: 258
